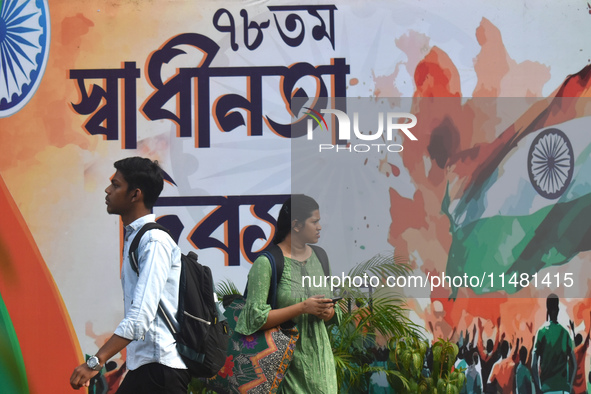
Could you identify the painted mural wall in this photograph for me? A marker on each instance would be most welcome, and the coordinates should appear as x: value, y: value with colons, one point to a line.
x: 493, y: 193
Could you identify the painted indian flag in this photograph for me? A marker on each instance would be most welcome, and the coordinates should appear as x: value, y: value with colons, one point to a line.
x: 532, y: 211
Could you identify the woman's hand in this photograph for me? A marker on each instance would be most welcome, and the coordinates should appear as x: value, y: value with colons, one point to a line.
x: 318, y: 306
x: 326, y: 316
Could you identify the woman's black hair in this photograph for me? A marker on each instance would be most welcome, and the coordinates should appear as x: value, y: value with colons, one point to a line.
x: 298, y: 207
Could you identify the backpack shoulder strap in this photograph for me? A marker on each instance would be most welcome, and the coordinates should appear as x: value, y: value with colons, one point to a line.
x: 133, y: 256
x: 274, y: 254
x: 323, y: 257
x: 277, y: 255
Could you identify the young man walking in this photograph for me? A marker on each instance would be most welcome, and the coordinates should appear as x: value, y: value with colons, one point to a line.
x: 152, y: 359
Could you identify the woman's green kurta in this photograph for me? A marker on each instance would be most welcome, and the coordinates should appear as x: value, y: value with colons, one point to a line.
x: 312, y: 369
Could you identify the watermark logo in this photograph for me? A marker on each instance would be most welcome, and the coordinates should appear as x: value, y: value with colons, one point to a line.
x: 386, y: 127
x: 317, y: 117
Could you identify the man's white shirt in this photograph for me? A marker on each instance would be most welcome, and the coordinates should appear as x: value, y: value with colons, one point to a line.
x: 158, y: 280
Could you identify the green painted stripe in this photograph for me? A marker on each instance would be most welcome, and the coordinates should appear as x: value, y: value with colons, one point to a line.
x: 13, y: 376
x: 522, y: 244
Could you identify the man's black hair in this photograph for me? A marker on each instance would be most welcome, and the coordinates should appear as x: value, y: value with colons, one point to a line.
x: 552, y: 307
x: 523, y: 354
x: 490, y: 345
x: 143, y: 174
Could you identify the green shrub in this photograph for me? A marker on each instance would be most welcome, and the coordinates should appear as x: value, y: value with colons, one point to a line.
x: 408, y: 356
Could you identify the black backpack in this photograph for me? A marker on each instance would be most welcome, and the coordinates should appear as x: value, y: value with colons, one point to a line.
x: 201, y: 337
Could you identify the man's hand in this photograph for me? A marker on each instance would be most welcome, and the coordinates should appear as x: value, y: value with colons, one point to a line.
x: 81, y: 376
x: 82, y: 373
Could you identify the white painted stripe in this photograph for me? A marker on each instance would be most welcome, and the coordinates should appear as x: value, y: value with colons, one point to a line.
x: 512, y: 194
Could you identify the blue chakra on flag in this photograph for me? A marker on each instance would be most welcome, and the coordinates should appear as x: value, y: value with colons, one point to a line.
x: 24, y: 48
x: 550, y: 163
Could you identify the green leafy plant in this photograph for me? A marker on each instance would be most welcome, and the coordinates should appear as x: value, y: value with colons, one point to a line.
x: 198, y: 387
x: 367, y: 318
x: 408, y: 355
x: 226, y: 287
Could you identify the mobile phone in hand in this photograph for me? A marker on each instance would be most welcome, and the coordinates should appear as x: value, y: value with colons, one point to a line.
x: 336, y: 299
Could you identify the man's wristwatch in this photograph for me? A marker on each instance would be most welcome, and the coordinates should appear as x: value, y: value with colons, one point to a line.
x: 94, y: 363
